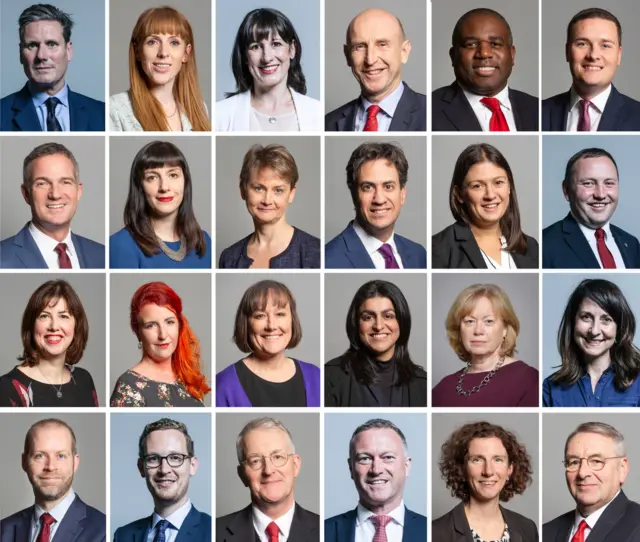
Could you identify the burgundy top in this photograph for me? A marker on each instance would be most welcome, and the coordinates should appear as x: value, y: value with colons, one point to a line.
x: 515, y: 384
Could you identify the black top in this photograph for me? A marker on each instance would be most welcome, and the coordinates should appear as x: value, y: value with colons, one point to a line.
x: 134, y: 390
x: 262, y: 393
x: 18, y: 390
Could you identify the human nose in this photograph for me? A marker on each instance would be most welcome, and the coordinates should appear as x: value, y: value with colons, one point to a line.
x: 162, y: 332
x: 488, y: 469
x: 584, y: 470
x: 595, y: 328
x: 163, y: 49
x: 267, y: 466
x: 163, y: 183
x: 371, y: 55
x: 54, y: 191
x: 378, y: 323
x: 489, y: 192
x: 599, y: 191
x: 267, y: 53
x: 53, y: 323
x: 41, y: 53
x: 478, y: 328
x: 378, y: 195
x: 376, y: 466
x: 484, y: 49
x: 164, y: 465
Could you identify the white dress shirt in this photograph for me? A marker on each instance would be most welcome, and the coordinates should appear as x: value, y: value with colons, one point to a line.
x: 596, y: 108
x: 47, y: 246
x: 591, y: 520
x: 366, y: 529
x: 387, y: 105
x: 372, y: 244
x: 261, y: 521
x: 176, y: 519
x: 608, y: 240
x: 58, y: 512
x: 506, y: 261
x: 484, y: 114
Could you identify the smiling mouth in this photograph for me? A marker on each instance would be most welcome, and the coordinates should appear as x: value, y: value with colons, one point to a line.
x: 163, y: 345
x: 56, y: 206
x: 268, y: 70
x: 53, y: 339
x: 379, y: 336
x: 598, y: 205
x: 373, y: 73
x: 165, y: 483
x: 161, y: 67
x: 271, y: 337
x: 485, y: 70
x: 491, y: 206
x: 592, y: 68
x: 166, y: 199
x: 379, y: 212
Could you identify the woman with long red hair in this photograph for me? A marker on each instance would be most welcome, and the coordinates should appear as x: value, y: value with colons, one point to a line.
x: 169, y: 372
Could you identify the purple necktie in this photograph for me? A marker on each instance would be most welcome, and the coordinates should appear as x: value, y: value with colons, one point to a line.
x: 584, y: 122
x: 389, y: 259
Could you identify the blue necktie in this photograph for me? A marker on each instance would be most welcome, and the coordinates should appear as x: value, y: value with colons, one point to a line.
x: 161, y: 527
x: 52, y: 122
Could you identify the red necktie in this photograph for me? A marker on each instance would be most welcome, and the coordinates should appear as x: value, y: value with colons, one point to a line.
x: 273, y: 532
x: 372, y: 119
x: 63, y: 257
x: 603, y: 251
x: 579, y: 536
x: 381, y: 528
x: 498, y: 122
x: 584, y: 122
x: 46, y: 520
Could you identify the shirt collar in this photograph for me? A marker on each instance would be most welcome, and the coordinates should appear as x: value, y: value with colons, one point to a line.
x: 58, y: 511
x: 502, y: 97
x: 590, y: 234
x: 598, y: 101
x: 592, y: 518
x: 49, y: 243
x: 40, y: 97
x: 176, y: 518
x: 261, y: 520
x: 372, y: 244
x: 389, y: 103
x: 363, y: 514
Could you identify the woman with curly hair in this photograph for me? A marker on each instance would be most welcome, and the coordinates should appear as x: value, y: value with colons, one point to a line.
x: 483, y: 464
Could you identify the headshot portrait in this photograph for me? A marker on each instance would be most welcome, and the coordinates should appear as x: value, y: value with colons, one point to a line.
x: 45, y: 102
x: 173, y: 456
x: 56, y: 469
x: 591, y: 40
x: 276, y: 326
x: 377, y: 362
x: 277, y: 459
x: 589, y: 345
x: 491, y: 92
x: 485, y: 461
x: 377, y: 173
x: 63, y: 230
x: 596, y: 232
x: 488, y: 230
x: 387, y: 81
x: 164, y: 89
x: 257, y: 190
x: 166, y: 211
x: 171, y: 323
x: 492, y: 328
x: 264, y: 81
x: 601, y: 496
x: 381, y: 493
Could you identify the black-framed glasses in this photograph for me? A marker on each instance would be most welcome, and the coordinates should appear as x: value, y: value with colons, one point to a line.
x: 257, y: 462
x: 153, y: 461
x: 595, y: 462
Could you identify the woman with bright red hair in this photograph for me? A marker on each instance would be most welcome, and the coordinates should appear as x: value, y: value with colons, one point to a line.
x: 169, y: 372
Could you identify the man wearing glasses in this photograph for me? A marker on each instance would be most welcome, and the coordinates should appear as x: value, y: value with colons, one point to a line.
x: 167, y: 461
x: 268, y: 465
x: 596, y: 467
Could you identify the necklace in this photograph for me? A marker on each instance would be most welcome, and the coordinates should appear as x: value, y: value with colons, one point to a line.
x: 58, y: 390
x: 175, y: 110
x: 503, y: 245
x: 482, y: 384
x: 175, y: 255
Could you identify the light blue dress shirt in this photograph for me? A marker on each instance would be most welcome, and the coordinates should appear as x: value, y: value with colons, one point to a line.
x: 387, y: 109
x: 176, y: 519
x: 62, y: 109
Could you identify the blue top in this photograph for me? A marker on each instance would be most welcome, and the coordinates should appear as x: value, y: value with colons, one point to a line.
x: 124, y: 253
x: 580, y: 394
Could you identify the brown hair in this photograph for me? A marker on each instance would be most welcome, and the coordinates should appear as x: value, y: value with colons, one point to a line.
x: 43, y: 423
x: 47, y: 149
x: 275, y: 157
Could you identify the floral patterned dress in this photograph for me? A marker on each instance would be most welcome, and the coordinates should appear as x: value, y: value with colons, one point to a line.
x: 505, y: 536
x: 134, y: 390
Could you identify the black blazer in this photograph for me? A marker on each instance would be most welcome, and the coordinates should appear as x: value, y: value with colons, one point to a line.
x: 620, y: 522
x: 455, y: 247
x: 451, y: 111
x: 454, y: 527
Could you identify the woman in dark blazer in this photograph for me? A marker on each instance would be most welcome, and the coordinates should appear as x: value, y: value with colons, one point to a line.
x: 487, y: 232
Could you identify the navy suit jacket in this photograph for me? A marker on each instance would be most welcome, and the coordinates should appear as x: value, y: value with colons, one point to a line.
x: 451, y: 111
x: 81, y: 523
x: 621, y: 113
x: 18, y: 114
x: 342, y: 528
x: 196, y: 527
x: 346, y: 251
x: 21, y: 252
x: 409, y: 116
x: 565, y: 247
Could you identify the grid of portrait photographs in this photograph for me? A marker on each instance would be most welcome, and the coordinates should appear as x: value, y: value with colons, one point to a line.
x: 275, y: 278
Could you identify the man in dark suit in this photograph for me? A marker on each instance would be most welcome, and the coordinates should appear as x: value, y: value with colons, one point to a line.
x: 379, y: 464
x: 268, y: 466
x: 596, y: 467
x: 482, y: 54
x: 167, y: 461
x: 585, y: 239
x: 51, y: 187
x: 593, y: 51
x: 46, y: 103
x: 376, y: 49
x: 50, y: 460
x: 376, y: 178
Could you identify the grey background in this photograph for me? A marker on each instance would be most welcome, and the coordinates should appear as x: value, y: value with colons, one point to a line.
x: 15, y: 291
x: 556, y: 152
x: 522, y: 290
x: 85, y: 72
x: 339, y: 291
x: 90, y: 478
x: 89, y: 153
x: 340, y: 209
x: 556, y: 499
x: 522, y: 154
x: 130, y: 498
x: 340, y: 84
x: 197, y: 151
x: 340, y: 494
x: 522, y: 16
x: 305, y: 17
x: 195, y: 292
x: 556, y: 290
x: 123, y: 15
x: 556, y: 76
x: 230, y: 288
x: 233, y: 221
x: 305, y: 430
x: 525, y: 427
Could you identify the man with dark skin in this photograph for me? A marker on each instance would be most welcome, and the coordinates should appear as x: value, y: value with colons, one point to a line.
x: 482, y: 54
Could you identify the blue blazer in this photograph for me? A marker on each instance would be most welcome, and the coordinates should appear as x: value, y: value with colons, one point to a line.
x: 196, y: 527
x: 342, y: 528
x: 21, y: 252
x: 565, y: 247
x: 346, y: 251
x: 621, y: 113
x: 81, y: 523
x: 18, y: 114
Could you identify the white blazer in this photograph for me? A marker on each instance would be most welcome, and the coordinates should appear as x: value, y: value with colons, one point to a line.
x: 122, y: 119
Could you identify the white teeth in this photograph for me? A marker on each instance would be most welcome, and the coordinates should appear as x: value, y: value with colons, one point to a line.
x: 378, y: 482
x: 56, y: 206
x: 592, y: 68
x: 380, y: 335
x: 486, y: 69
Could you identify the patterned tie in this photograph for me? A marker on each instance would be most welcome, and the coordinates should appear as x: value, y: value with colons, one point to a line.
x: 389, y: 259
x: 603, y: 251
x: 498, y: 122
x: 46, y: 520
x: 381, y: 528
x: 63, y: 257
x: 584, y: 122
x: 52, y: 122
x: 273, y: 532
x: 161, y: 527
x: 579, y: 536
x: 372, y: 119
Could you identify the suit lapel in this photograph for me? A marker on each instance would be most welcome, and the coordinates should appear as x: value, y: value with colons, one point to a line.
x: 469, y: 245
x: 559, y: 113
x: 514, y: 109
x: 27, y: 251
x: 563, y: 532
x: 458, y: 110
x: 608, y: 520
x: 356, y: 253
x: 577, y: 242
x: 613, y: 107
x: 461, y: 525
x: 403, y: 115
x: 406, y: 255
x: 189, y: 529
x: 79, y: 120
x: 301, y: 531
x: 77, y: 244
x: 242, y: 527
x: 25, y: 118
x: 345, y: 123
x: 72, y: 523
x: 622, y: 247
x: 24, y: 526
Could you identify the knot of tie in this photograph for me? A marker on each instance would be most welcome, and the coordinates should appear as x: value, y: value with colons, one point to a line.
x: 161, y: 529
x: 63, y: 258
x: 46, y: 520
x: 491, y: 103
x: 273, y: 531
x: 599, y: 234
x: 381, y: 523
x: 372, y: 120
x: 579, y: 536
x: 372, y: 111
x: 498, y: 122
x: 51, y: 104
x: 389, y: 259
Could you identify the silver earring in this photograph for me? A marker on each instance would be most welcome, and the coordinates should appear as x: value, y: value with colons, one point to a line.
x: 139, y: 345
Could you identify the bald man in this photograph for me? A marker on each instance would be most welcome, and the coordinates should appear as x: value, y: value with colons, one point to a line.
x: 376, y: 48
